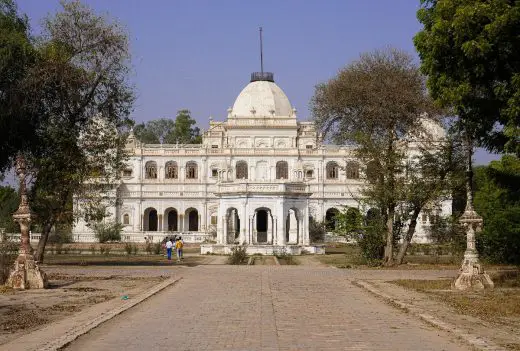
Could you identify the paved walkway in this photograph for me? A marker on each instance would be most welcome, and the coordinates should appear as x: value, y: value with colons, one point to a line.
x: 266, y: 308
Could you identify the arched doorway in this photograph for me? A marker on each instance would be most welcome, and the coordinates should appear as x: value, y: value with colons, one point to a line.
x: 262, y: 225
x: 330, y: 218
x: 193, y: 219
x: 150, y: 220
x: 172, y: 220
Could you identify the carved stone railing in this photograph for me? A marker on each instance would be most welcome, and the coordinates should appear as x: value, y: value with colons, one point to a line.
x: 263, y: 188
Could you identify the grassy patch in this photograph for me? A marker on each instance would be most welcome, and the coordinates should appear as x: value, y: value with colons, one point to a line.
x: 340, y: 260
x: 116, y: 260
x: 501, y: 304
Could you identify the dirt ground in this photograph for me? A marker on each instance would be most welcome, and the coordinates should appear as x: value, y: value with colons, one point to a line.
x: 24, y: 311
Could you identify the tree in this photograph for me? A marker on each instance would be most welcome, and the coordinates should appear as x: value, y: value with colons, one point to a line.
x: 9, y: 200
x: 317, y: 231
x: 470, y: 51
x: 20, y: 112
x: 156, y: 131
x: 184, y: 130
x: 497, y: 199
x: 430, y: 177
x: 82, y: 78
x: 374, y: 103
x: 107, y: 231
x: 168, y: 131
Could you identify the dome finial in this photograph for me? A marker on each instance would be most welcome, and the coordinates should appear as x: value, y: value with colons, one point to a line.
x: 262, y: 76
x: 261, y: 53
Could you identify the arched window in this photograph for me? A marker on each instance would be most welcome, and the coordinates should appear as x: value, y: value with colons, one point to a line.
x: 282, y: 170
x: 241, y: 170
x: 150, y: 170
x: 372, y: 171
x: 191, y: 170
x: 352, y: 170
x: 126, y: 219
x: 332, y: 170
x: 171, y: 170
x: 330, y: 218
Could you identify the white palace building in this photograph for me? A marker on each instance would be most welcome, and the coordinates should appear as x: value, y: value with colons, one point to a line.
x: 256, y: 179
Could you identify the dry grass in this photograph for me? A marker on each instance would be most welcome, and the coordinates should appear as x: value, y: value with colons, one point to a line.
x: 118, y: 260
x: 501, y: 304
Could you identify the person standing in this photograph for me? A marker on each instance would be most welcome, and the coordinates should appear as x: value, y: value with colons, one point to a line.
x: 178, y: 247
x: 169, y: 246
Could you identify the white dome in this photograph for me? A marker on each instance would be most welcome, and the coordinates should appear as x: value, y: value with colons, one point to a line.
x: 262, y: 99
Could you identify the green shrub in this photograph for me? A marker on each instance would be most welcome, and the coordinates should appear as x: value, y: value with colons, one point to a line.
x: 148, y: 248
x: 107, y: 231
x: 317, y: 231
x: 128, y: 248
x: 238, y: 255
x: 92, y: 249
x: 8, y: 253
x: 157, y: 248
x: 135, y: 249
x: 105, y: 249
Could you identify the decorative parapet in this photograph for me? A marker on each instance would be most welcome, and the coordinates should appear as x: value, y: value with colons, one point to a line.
x: 170, y: 150
x: 261, y: 122
x: 286, y: 188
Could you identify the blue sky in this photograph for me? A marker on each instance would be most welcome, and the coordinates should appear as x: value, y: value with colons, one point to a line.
x: 199, y: 54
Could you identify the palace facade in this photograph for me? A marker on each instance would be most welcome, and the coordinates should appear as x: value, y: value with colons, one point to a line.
x: 257, y: 178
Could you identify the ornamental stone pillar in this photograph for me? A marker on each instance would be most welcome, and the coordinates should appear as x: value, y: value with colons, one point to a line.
x: 26, y: 273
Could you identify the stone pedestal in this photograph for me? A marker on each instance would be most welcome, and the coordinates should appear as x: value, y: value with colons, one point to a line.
x: 26, y: 274
x: 472, y: 275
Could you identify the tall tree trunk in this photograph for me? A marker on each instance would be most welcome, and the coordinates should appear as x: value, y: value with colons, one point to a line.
x: 409, y: 235
x: 40, y: 250
x: 389, y: 248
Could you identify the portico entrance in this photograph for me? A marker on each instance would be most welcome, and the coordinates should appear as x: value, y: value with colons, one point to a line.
x: 262, y: 226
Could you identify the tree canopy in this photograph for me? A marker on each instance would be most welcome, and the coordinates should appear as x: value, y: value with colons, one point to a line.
x: 20, y: 112
x: 470, y: 51
x: 180, y: 130
x: 497, y: 199
x: 76, y: 86
x: 375, y: 103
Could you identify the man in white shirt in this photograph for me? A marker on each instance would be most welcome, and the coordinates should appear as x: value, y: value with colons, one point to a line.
x: 169, y: 246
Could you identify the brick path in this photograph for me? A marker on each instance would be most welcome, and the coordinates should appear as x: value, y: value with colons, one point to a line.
x: 266, y: 308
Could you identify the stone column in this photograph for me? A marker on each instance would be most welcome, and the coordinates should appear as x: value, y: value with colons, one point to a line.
x: 243, y: 225
x: 225, y: 229
x: 472, y: 274
x: 305, y: 229
x: 26, y: 273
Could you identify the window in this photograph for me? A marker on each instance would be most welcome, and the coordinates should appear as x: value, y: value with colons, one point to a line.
x: 214, y: 220
x: 191, y: 170
x: 309, y: 173
x: 127, y: 172
x: 126, y: 219
x: 214, y: 173
x: 171, y: 170
x: 282, y: 170
x: 214, y: 146
x: 332, y: 170
x: 150, y: 170
x: 352, y: 170
x: 308, y: 146
x: 241, y: 170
